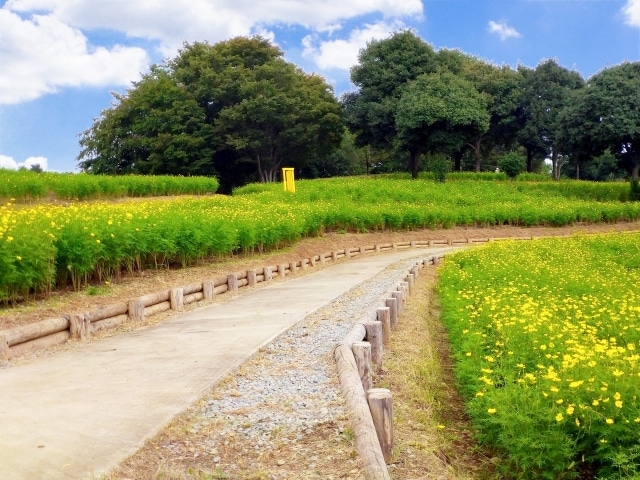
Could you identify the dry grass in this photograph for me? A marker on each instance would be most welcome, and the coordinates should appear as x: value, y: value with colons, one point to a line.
x: 432, y: 435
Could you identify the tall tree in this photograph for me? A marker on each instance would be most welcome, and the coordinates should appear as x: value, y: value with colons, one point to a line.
x: 157, y: 128
x: 606, y: 116
x: 438, y: 112
x: 225, y: 105
x: 383, y: 70
x: 545, y: 92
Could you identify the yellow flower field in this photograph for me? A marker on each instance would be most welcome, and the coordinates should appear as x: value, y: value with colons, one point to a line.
x: 546, y: 336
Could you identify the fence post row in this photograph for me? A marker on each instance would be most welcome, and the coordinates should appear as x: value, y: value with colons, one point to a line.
x: 80, y: 325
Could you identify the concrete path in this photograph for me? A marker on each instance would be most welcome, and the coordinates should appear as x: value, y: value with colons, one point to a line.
x: 78, y: 413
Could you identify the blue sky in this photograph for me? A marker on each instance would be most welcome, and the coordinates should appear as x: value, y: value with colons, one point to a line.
x: 60, y: 59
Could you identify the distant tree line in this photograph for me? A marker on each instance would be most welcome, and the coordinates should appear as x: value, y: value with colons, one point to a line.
x: 239, y: 111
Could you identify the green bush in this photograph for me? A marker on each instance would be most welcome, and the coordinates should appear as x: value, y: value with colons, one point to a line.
x: 440, y: 166
x: 512, y: 164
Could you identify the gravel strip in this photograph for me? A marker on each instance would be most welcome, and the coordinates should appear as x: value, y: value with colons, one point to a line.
x: 292, y: 385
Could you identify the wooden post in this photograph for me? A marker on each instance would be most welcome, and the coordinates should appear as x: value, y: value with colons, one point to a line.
x: 398, y: 296
x: 355, y: 398
x: 374, y: 337
x: 176, y: 298
x: 293, y: 266
x: 410, y: 281
x: 362, y: 355
x: 251, y: 277
x: 208, y: 289
x: 385, y: 319
x: 268, y: 274
x: 77, y: 327
x: 232, y: 282
x: 282, y: 270
x: 136, y: 310
x: 392, y: 303
x: 377, y: 248
x: 413, y: 244
x: 381, y: 406
x: 5, y: 352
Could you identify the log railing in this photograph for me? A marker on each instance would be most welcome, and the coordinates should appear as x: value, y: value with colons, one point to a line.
x: 371, y: 409
x: 23, y: 339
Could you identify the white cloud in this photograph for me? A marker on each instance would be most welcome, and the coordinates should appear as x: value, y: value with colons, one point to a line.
x: 503, y: 30
x: 632, y: 12
x: 42, y: 54
x: 44, y: 45
x: 8, y: 163
x: 342, y: 54
x: 31, y: 161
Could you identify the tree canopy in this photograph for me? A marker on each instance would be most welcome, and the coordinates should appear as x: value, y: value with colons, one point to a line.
x: 217, y: 109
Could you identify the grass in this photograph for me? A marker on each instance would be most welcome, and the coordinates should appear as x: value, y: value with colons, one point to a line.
x: 432, y: 433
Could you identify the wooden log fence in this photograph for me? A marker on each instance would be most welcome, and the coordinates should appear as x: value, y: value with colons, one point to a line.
x: 370, y: 408
x: 80, y: 326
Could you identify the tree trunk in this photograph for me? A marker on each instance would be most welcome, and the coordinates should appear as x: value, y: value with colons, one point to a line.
x: 415, y: 157
x: 260, y: 171
x: 554, y: 166
x: 529, y: 160
x: 477, y: 153
x: 635, y: 172
x: 457, y: 161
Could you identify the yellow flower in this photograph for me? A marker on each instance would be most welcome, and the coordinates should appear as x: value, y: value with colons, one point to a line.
x: 595, y: 403
x: 609, y: 421
x: 18, y: 257
x: 559, y: 417
x: 559, y: 401
x: 569, y: 410
x: 577, y: 422
x: 576, y: 384
x: 619, y: 403
x: 491, y: 411
x: 441, y: 426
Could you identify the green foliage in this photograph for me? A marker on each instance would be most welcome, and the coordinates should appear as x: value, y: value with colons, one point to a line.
x: 217, y: 109
x: 78, y: 243
x: 440, y: 166
x: 545, y: 337
x: 512, y: 164
x: 634, y: 194
x: 25, y: 186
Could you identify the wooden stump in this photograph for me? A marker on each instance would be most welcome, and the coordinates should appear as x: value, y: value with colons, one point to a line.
x: 77, y: 327
x: 5, y: 352
x: 176, y: 299
x: 208, y: 289
x: 282, y: 270
x: 385, y: 319
x: 252, y: 277
x: 398, y: 296
x: 232, y: 282
x: 268, y: 274
x: 381, y: 406
x: 374, y: 337
x: 362, y: 356
x: 136, y: 310
x: 392, y: 303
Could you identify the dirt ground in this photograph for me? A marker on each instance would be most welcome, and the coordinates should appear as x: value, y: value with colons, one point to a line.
x: 147, y: 281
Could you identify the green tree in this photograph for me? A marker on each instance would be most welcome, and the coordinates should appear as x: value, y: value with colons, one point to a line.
x: 217, y: 109
x: 546, y: 91
x: 606, y: 114
x: 383, y: 70
x: 437, y: 113
x: 156, y: 128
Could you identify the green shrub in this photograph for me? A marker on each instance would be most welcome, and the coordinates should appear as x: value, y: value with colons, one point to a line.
x: 440, y: 166
x: 512, y: 164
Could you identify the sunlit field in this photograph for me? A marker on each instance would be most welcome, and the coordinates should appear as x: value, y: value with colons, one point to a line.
x: 546, y: 336
x: 54, y: 244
